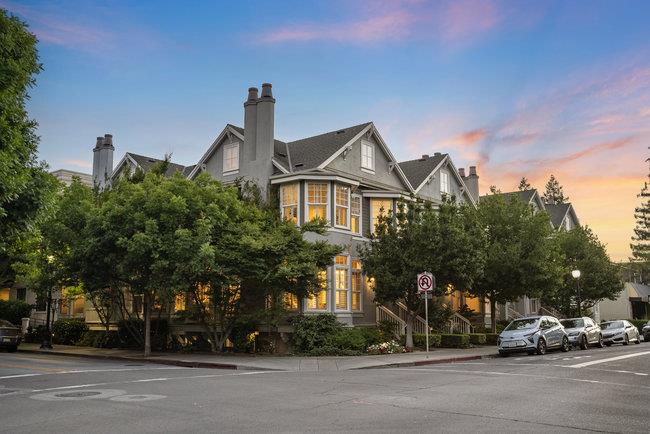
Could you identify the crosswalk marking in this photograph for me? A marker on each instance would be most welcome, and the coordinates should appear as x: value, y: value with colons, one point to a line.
x: 609, y: 359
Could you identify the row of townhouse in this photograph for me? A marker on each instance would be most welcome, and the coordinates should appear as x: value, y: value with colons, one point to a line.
x: 347, y: 176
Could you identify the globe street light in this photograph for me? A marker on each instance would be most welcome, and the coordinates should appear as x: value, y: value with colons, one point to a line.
x: 576, y: 276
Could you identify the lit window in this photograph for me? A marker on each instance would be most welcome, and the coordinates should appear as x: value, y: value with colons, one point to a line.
x: 342, y: 205
x: 78, y: 305
x: 179, y: 302
x: 231, y: 157
x: 355, y: 214
x: 357, y: 284
x: 316, y: 200
x: 367, y: 155
x: 379, y: 207
x: 341, y: 275
x: 290, y: 301
x: 289, y: 202
x: 319, y: 301
x: 4, y: 294
x: 444, y: 182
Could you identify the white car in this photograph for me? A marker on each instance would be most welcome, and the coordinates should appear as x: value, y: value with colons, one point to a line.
x: 533, y: 334
x: 619, y: 332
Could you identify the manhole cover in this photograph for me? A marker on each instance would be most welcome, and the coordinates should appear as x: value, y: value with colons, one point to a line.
x: 5, y: 391
x: 76, y: 394
x: 136, y: 398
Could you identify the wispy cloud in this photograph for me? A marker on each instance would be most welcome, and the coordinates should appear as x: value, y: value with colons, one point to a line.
x: 78, y: 163
x: 451, y: 23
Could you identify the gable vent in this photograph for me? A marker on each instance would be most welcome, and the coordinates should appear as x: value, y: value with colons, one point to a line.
x: 151, y: 160
x: 298, y: 165
x: 340, y: 131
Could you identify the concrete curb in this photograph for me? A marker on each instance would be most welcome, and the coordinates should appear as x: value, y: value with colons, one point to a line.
x: 430, y: 362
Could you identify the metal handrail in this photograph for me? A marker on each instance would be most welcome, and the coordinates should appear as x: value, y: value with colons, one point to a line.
x: 385, y: 314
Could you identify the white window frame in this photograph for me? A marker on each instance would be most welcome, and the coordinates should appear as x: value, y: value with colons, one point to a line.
x: 348, y: 284
x: 365, y: 144
x: 359, y: 216
x: 373, y: 217
x: 361, y: 288
x: 283, y: 205
x: 327, y: 296
x: 444, y: 175
x: 337, y: 206
x: 328, y: 212
x: 226, y: 149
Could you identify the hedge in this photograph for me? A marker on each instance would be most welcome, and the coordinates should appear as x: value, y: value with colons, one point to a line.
x: 100, y: 339
x: 639, y: 323
x: 454, y: 341
x: 420, y: 340
x: 491, y: 338
x: 67, y: 331
x: 477, y: 338
x: 14, y: 311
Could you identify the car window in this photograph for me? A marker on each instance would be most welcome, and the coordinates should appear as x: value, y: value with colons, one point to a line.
x: 522, y: 324
x: 612, y: 325
x: 573, y: 323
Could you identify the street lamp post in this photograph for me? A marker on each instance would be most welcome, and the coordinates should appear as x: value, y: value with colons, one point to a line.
x: 576, y: 276
x: 47, y: 340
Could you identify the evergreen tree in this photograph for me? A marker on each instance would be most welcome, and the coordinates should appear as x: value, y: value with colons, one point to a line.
x: 641, y: 238
x: 554, y: 193
x: 524, y: 185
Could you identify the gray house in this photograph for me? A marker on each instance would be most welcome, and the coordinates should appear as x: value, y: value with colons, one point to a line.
x: 348, y: 176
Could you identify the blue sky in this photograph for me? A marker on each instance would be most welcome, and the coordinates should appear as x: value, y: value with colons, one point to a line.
x: 520, y: 88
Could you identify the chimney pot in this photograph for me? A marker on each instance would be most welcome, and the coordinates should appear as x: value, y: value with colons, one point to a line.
x: 461, y: 172
x: 100, y: 142
x: 437, y: 154
x: 266, y: 90
x: 425, y: 156
x: 252, y: 94
x: 472, y: 171
x: 108, y: 139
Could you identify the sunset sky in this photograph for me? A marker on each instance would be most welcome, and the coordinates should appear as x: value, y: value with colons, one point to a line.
x: 520, y: 88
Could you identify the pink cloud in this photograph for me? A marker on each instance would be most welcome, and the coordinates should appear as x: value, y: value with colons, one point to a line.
x: 79, y: 163
x: 463, y: 20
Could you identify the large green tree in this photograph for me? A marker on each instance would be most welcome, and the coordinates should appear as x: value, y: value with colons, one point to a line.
x: 553, y: 193
x: 641, y: 239
x: 446, y: 241
x: 599, y: 277
x: 521, y: 257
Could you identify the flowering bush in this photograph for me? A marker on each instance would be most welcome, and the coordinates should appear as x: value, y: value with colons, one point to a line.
x: 390, y: 347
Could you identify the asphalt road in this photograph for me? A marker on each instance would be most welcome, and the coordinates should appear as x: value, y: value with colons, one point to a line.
x: 600, y: 390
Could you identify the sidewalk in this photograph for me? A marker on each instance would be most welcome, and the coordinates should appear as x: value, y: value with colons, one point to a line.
x: 272, y: 363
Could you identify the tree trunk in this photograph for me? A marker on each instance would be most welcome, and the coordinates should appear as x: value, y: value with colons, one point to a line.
x: 493, y: 316
x: 410, y: 317
x: 147, y: 324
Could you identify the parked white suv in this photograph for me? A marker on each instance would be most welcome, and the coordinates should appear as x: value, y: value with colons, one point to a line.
x: 534, y: 334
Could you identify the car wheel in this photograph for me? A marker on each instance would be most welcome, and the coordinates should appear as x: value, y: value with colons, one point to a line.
x: 541, y: 347
x: 608, y: 344
x: 638, y: 339
x: 646, y: 338
x: 600, y: 343
x: 566, y: 346
x: 583, y: 343
x: 503, y: 353
x: 627, y: 340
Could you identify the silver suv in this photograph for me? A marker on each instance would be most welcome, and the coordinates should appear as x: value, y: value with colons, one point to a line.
x: 583, y: 332
x: 533, y: 334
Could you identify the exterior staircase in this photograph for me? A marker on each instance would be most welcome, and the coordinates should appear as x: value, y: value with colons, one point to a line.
x: 457, y: 324
x: 550, y: 311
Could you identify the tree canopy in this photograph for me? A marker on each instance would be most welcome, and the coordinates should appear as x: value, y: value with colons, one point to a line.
x: 553, y: 193
x: 524, y: 185
x: 641, y: 239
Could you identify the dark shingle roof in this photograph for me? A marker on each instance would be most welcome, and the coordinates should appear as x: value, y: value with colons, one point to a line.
x: 416, y: 171
x: 188, y: 170
x: 313, y: 151
x: 146, y: 163
x: 525, y: 196
x: 557, y: 212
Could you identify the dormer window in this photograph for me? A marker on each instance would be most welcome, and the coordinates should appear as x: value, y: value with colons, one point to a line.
x: 231, y: 158
x: 444, y: 182
x: 367, y: 156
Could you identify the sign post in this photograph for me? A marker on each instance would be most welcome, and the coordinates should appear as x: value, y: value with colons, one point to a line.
x: 426, y: 283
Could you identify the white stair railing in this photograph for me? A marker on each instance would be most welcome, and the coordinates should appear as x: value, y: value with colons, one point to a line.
x: 385, y: 314
x: 513, y: 314
x: 550, y: 312
x: 419, y: 323
x: 459, y: 324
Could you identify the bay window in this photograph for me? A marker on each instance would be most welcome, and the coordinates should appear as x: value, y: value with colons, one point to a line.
x: 379, y: 207
x: 319, y: 301
x: 317, y: 200
x: 341, y: 282
x: 357, y: 284
x: 342, y: 198
x: 355, y: 214
x: 289, y: 197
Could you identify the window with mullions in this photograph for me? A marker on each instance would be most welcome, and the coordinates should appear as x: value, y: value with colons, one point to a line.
x: 367, y: 155
x: 289, y: 198
x: 341, y: 273
x: 319, y: 301
x: 316, y: 200
x: 355, y: 214
x: 357, y: 284
x: 444, y: 182
x: 379, y: 207
x: 342, y: 206
x: 231, y: 157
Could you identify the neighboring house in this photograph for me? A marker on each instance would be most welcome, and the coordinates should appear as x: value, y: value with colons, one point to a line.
x: 563, y: 216
x: 633, y: 302
x: 66, y: 176
x: 348, y: 176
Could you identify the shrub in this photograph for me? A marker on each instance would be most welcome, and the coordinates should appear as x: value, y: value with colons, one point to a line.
x: 420, y: 340
x: 477, y: 338
x: 314, y: 331
x: 14, y: 311
x: 391, y: 347
x: 128, y: 327
x: 100, y: 339
x: 491, y: 338
x: 454, y: 341
x: 639, y: 323
x: 386, y: 330
x: 36, y: 335
x: 243, y: 337
x: 348, y: 339
x: 67, y: 331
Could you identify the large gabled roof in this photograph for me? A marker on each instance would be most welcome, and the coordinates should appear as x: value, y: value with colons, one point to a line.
x: 146, y: 163
x: 559, y: 212
x: 313, y: 151
x: 418, y: 170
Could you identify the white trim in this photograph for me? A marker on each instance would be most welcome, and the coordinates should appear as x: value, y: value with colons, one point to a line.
x: 278, y: 165
x: 349, y: 143
x: 432, y: 174
x: 213, y: 147
x: 121, y: 163
x: 230, y: 172
x: 299, y: 213
x: 336, y: 205
x: 444, y: 174
x: 354, y: 196
x: 371, y: 172
x: 348, y: 283
x: 361, y: 289
x: 279, y: 179
x: 368, y: 144
x: 328, y: 209
x: 228, y: 147
x: 384, y: 194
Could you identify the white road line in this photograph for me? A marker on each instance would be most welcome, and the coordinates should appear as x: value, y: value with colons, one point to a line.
x: 610, y: 359
x: 86, y: 371
x: 19, y: 376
